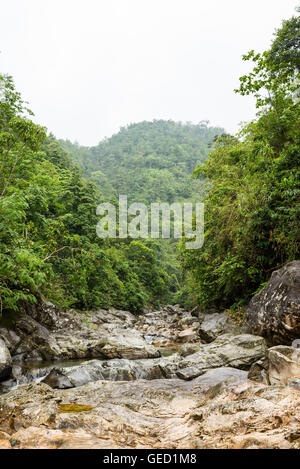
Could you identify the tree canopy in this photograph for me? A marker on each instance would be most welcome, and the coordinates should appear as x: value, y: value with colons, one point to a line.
x: 252, y: 201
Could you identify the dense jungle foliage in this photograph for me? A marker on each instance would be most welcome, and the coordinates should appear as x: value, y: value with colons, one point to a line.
x: 47, y: 227
x: 149, y: 161
x: 48, y: 241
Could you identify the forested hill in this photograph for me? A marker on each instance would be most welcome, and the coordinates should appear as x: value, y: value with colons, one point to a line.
x: 148, y: 161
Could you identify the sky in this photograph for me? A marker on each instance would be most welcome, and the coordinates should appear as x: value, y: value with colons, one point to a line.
x: 89, y: 67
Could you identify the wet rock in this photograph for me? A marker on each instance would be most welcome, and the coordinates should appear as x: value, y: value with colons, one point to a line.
x: 5, y: 361
x: 234, y: 351
x: 57, y: 380
x: 113, y: 370
x: 274, y: 312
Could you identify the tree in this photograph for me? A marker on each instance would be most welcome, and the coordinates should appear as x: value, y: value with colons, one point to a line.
x: 252, y: 206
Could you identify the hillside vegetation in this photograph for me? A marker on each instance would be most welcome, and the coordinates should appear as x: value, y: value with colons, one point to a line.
x: 48, y: 241
x: 148, y: 161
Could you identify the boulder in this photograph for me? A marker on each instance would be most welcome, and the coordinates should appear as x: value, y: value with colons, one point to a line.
x: 284, y: 364
x: 274, y: 312
x: 216, y: 376
x: 5, y: 361
x: 216, y: 324
x: 127, y: 344
x: 88, y: 343
x: 11, y: 338
x: 234, y: 351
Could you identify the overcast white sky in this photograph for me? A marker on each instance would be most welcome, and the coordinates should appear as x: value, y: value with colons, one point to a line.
x: 88, y: 67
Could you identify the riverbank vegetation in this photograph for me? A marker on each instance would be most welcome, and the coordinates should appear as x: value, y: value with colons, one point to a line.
x: 252, y: 203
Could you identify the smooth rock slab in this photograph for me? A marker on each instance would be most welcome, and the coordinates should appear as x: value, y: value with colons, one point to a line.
x: 219, y: 375
x: 162, y: 414
x: 128, y: 344
x: 235, y: 351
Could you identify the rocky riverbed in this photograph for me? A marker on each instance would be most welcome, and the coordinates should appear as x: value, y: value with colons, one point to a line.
x: 164, y: 379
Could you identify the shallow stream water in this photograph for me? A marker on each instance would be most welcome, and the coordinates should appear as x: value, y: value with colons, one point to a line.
x: 36, y: 371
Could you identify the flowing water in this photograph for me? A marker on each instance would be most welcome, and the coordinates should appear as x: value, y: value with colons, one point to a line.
x: 36, y: 371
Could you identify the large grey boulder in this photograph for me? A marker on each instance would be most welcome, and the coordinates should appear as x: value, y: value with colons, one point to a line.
x: 128, y: 344
x: 5, y: 361
x: 233, y: 351
x: 216, y: 376
x: 274, y: 312
x: 214, y: 325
